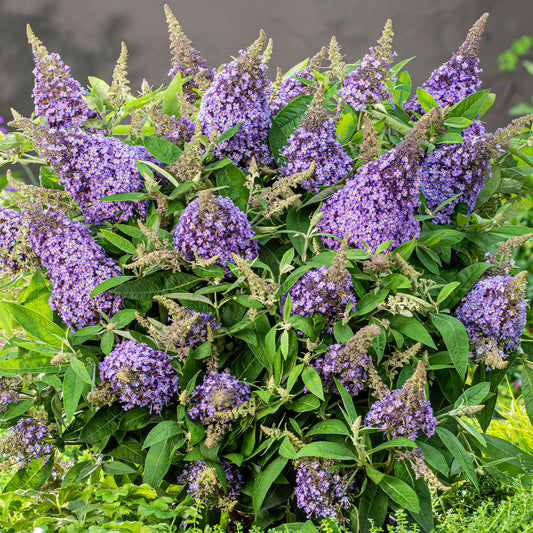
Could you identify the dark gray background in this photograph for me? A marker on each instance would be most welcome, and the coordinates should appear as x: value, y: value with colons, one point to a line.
x: 87, y: 34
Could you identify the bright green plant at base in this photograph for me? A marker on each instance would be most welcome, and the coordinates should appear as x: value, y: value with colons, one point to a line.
x: 270, y: 310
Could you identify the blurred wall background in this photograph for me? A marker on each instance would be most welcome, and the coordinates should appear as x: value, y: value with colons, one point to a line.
x: 87, y: 34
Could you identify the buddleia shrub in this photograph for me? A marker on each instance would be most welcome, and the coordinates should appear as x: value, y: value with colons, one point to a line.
x: 285, y: 300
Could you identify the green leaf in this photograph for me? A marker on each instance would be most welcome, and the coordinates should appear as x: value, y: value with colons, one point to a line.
x: 369, y: 302
x: 449, y: 138
x: 37, y: 296
x: 463, y: 458
x: 147, y: 287
x: 35, y: 324
x: 71, y: 476
x: 109, y: 284
x: 466, y: 277
x: 473, y: 395
x: 446, y: 291
x: 347, y: 401
x: 81, y: 370
x: 412, y: 328
x: 291, y: 115
x: 126, y: 197
x: 107, y: 341
x: 232, y: 180
x: 342, y: 332
x: 346, y: 125
x: 527, y: 387
x: 265, y: 480
x: 434, y: 458
x: 329, y: 427
x: 403, y: 88
x: 120, y: 242
x: 33, y: 476
x: 372, y: 507
x: 73, y: 388
x: 102, y: 425
x: 427, y: 101
x: 298, y: 221
x: 328, y: 450
x: 470, y: 106
x: 455, y: 338
x: 170, y: 105
x: 228, y: 134
x: 158, y: 461
x: 16, y: 409
x: 401, y: 493
x: 394, y: 443
x: 28, y: 364
x: 129, y: 450
x: 312, y: 381
x: 163, y: 431
x: 276, y: 139
x: 116, y: 468
x: 305, y: 403
x: 162, y: 149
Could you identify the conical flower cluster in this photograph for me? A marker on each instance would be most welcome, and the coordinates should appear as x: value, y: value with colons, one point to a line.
x: 57, y: 96
x: 494, y: 315
x: 239, y: 95
x: 379, y: 203
x: 315, y: 141
x: 405, y: 412
x: 140, y: 375
x: 75, y: 264
x: 459, y: 76
x: 365, y: 85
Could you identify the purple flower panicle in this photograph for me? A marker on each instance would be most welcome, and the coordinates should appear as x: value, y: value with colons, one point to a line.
x: 140, y: 375
x: 57, y: 96
x: 459, y: 76
x: 322, y: 491
x: 239, y: 95
x: 213, y: 225
x: 25, y: 442
x: 365, y: 85
x: 315, y: 141
x: 494, y: 315
x: 75, y: 264
x: 453, y: 169
x: 404, y: 412
x: 290, y: 88
x: 11, y: 222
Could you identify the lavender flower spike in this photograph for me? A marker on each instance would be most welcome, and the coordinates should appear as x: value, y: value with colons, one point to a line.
x: 57, y: 96
x: 324, y: 290
x: 315, y: 141
x: 214, y: 226
x: 11, y: 224
x: 91, y: 166
x: 379, y: 203
x: 186, y: 59
x: 239, y: 95
x: 365, y: 85
x: 203, y: 484
x: 322, y: 491
x: 348, y: 362
x: 139, y: 375
x: 75, y: 264
x: 494, y: 315
x: 284, y: 90
x: 459, y: 76
x: 405, y: 412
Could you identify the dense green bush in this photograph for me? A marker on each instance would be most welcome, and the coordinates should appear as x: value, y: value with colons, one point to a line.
x: 290, y: 299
